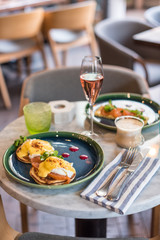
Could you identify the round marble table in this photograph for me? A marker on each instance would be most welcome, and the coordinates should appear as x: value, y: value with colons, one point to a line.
x: 67, y: 202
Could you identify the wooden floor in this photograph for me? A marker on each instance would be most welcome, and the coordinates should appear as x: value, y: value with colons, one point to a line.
x: 135, y: 225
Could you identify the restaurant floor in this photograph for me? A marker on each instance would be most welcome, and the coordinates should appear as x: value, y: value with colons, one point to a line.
x: 123, y: 226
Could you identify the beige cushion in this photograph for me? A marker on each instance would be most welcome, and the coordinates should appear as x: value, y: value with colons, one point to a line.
x: 7, y: 46
x: 65, y: 36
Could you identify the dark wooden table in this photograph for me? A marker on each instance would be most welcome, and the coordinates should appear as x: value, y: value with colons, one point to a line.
x: 150, y: 37
x: 15, y: 5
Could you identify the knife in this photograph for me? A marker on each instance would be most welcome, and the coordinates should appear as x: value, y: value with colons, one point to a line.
x: 127, y: 157
x: 115, y: 192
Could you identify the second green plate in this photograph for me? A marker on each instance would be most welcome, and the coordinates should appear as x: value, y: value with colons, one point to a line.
x: 130, y: 101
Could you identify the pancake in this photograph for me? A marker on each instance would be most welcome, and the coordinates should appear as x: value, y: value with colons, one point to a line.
x: 52, y: 171
x: 32, y: 148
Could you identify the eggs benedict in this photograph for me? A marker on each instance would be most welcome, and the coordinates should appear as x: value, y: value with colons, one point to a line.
x: 32, y: 148
x: 52, y: 171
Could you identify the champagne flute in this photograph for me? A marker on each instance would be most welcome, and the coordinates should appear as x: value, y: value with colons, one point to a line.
x: 91, y: 77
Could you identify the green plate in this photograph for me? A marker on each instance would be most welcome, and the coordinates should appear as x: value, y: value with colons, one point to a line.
x: 86, y: 169
x: 130, y: 101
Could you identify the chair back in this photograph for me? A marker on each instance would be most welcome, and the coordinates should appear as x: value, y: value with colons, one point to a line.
x: 120, y: 31
x: 21, y: 25
x: 76, y: 16
x: 152, y: 15
x: 64, y: 84
x: 117, y: 47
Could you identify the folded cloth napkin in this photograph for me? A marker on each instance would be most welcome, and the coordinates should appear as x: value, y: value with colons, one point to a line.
x: 133, y: 187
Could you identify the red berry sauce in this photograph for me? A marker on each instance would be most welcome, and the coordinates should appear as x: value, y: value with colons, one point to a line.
x: 73, y: 149
x: 65, y: 155
x: 83, y: 157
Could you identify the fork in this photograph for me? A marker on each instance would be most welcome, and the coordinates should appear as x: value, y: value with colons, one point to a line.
x: 125, y: 163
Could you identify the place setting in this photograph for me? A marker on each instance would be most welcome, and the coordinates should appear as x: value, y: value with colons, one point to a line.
x: 123, y: 179
x: 53, y: 159
x: 119, y: 183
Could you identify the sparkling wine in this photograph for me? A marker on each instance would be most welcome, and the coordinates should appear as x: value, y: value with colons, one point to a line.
x: 91, y: 84
x: 91, y: 77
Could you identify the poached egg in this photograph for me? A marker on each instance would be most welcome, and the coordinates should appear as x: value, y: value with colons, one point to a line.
x: 33, y: 148
x: 56, y: 165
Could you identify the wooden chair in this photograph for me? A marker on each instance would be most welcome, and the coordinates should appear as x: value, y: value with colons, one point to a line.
x: 155, y: 223
x: 20, y: 37
x: 4, y: 90
x: 70, y: 26
x: 8, y: 233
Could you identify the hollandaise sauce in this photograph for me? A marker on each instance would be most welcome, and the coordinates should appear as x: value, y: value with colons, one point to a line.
x: 55, y: 165
x: 33, y: 148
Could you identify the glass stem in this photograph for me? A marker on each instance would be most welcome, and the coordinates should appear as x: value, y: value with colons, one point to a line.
x: 91, y: 115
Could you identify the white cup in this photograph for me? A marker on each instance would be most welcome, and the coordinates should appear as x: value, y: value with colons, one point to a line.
x: 129, y: 131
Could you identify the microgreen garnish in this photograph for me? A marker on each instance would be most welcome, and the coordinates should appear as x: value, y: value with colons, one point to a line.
x: 20, y: 141
x: 110, y: 101
x: 50, y: 154
x: 137, y: 113
x: 109, y: 107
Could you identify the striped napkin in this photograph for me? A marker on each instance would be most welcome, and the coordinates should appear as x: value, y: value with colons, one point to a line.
x: 137, y: 181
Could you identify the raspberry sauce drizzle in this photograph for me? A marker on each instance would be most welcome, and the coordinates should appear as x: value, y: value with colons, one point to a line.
x: 65, y: 155
x: 83, y: 157
x: 73, y: 149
